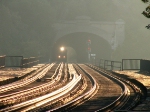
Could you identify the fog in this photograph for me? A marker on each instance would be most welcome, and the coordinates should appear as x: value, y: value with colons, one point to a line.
x: 27, y: 26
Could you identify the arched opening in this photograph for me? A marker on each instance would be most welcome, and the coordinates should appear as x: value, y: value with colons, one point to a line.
x: 77, y: 47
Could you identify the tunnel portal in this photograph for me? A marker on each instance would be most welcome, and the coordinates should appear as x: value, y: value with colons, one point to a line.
x: 77, y: 48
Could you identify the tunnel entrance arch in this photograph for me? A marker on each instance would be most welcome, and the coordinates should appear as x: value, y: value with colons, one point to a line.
x: 77, y: 48
x: 110, y: 33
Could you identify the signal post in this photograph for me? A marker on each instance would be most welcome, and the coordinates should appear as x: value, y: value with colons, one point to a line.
x: 89, y: 49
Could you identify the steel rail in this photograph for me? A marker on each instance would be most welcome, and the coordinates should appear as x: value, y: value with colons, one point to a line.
x: 24, y: 82
x: 138, y: 91
x: 24, y: 93
x: 89, y: 94
x: 73, y: 75
x: 28, y: 77
x: 124, y: 94
x: 80, y: 98
x: 33, y: 101
x: 124, y: 97
x: 56, y: 71
x: 121, y: 101
x: 68, y: 97
x: 62, y: 98
x: 58, y: 94
x: 47, y: 101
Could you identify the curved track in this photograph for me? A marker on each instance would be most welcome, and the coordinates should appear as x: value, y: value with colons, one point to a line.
x: 107, y: 92
x: 71, y: 87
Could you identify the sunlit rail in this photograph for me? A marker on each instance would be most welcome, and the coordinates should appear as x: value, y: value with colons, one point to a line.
x: 22, y: 83
x: 47, y: 97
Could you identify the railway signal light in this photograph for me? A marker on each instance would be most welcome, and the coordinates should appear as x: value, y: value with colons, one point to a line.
x: 89, y: 49
x: 89, y: 41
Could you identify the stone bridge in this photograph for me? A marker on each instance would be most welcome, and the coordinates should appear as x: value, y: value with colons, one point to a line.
x: 112, y: 32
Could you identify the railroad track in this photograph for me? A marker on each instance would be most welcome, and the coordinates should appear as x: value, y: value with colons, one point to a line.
x: 22, y: 95
x: 27, y: 80
x: 113, y: 94
x: 18, y: 95
x: 87, y: 100
x: 137, y: 91
x: 31, y: 104
x: 76, y: 88
x: 107, y: 92
x: 80, y: 95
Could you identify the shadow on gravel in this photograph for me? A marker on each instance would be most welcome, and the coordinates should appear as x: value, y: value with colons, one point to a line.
x: 95, y: 104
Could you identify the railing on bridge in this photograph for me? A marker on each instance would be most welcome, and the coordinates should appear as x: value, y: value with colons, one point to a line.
x: 107, y: 65
x: 2, y: 61
x: 13, y: 61
x: 18, y: 61
x: 131, y: 64
x: 101, y: 63
x: 126, y: 64
x: 136, y: 64
x: 110, y: 65
x: 29, y: 62
x: 116, y: 65
x: 145, y: 65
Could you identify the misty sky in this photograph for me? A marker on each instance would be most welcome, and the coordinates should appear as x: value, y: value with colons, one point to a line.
x: 26, y: 26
